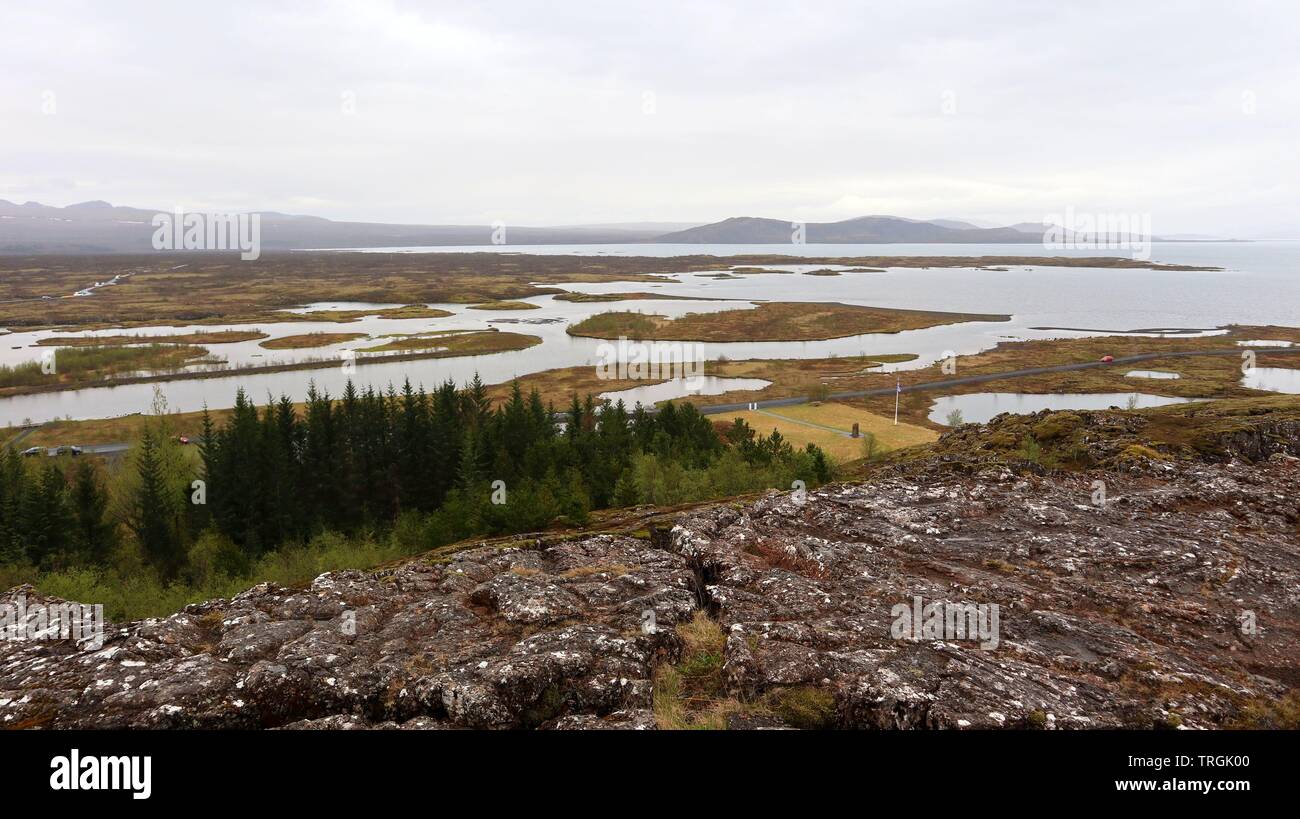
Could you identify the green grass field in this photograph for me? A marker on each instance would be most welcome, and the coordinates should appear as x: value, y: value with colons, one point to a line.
x: 828, y: 426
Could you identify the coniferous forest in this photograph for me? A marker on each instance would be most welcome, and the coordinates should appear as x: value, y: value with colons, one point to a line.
x: 281, y: 492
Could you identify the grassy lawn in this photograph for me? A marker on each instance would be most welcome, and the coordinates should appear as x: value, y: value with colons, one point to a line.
x: 842, y: 417
x: 770, y: 321
x: 828, y: 426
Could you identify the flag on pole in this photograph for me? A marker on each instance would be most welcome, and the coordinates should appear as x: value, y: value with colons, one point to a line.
x: 898, y: 389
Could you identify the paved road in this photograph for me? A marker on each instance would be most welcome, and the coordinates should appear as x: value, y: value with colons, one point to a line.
x: 106, y: 449
x: 97, y: 449
x: 980, y: 379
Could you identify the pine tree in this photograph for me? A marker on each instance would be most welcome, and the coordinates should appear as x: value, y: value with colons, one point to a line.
x: 469, y: 477
x: 13, y: 490
x: 92, y: 534
x: 152, y: 512
x: 820, y: 465
x: 573, y: 424
x: 626, y: 492
x: 47, y: 521
x: 477, y: 403
x: 358, y: 463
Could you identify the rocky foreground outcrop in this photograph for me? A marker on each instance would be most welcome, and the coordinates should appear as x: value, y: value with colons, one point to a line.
x: 1175, y: 602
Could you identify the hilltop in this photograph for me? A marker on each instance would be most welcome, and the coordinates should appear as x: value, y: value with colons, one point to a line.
x: 777, y: 611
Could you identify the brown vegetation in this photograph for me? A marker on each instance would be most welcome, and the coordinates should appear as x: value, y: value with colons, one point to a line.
x: 457, y: 343
x: 1216, y: 376
x: 76, y: 367
x: 211, y: 337
x: 588, y: 298
x: 305, y: 340
x: 770, y: 321
x: 505, y: 305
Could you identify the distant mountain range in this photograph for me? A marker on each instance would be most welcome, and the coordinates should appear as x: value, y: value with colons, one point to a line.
x: 98, y: 227
x: 746, y: 230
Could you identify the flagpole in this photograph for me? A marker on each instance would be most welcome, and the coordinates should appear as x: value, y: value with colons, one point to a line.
x: 898, y: 388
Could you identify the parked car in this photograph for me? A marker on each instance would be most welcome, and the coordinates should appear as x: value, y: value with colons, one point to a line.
x: 182, y: 439
x: 33, y: 450
x: 66, y: 449
x: 1107, y: 359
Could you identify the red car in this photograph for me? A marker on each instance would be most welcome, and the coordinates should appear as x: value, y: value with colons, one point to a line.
x: 1107, y: 359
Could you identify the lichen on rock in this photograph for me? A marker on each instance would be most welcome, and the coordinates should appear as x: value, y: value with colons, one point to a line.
x: 1121, y: 613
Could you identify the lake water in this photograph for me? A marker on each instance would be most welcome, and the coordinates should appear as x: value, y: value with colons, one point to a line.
x: 979, y: 407
x: 1274, y: 379
x: 1151, y: 374
x: 679, y: 387
x: 1260, y: 284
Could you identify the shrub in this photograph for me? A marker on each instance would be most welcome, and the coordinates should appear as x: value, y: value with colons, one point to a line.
x: 214, y: 556
x: 805, y: 707
x: 1269, y: 713
x: 1056, y: 425
x: 1030, y: 449
x: 870, y: 446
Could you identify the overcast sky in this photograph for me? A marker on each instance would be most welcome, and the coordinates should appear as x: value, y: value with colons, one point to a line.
x: 565, y: 113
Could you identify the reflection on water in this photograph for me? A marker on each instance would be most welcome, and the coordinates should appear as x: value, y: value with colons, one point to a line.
x: 682, y: 388
x: 1273, y: 379
x: 978, y: 407
x: 1150, y: 374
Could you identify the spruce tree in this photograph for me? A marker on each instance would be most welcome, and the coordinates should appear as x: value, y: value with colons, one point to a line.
x: 152, y: 511
x: 92, y: 534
